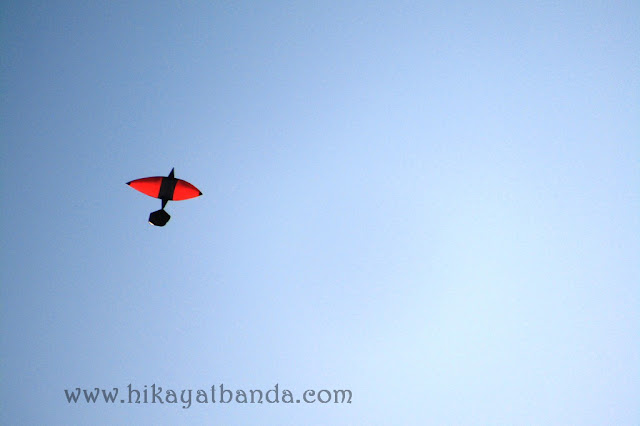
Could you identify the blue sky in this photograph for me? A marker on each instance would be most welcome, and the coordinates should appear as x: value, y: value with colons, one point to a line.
x: 431, y: 204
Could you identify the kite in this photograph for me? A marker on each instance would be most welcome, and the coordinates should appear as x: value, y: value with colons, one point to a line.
x: 164, y: 188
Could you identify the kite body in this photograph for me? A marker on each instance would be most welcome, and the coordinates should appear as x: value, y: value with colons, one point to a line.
x: 167, y: 189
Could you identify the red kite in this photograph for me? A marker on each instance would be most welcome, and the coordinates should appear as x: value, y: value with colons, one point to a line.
x: 165, y: 188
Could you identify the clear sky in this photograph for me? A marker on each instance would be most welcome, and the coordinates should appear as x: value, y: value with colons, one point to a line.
x: 434, y: 205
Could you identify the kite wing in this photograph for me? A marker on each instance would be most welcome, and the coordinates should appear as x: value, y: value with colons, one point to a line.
x: 165, y: 188
x: 149, y: 186
x: 184, y: 191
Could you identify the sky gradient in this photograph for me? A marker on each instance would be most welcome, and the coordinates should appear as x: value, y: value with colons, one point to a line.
x: 434, y: 205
